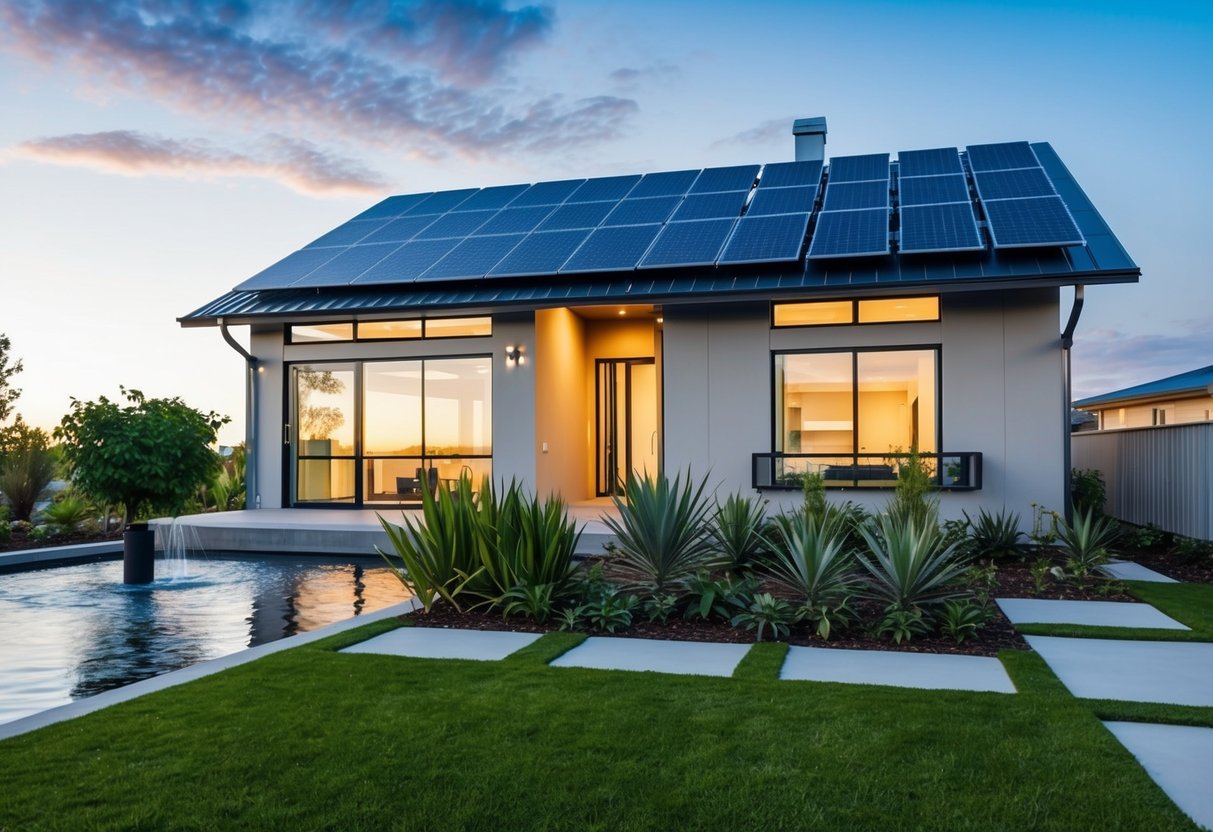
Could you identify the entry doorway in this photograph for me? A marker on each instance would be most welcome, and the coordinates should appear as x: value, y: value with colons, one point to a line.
x: 626, y: 423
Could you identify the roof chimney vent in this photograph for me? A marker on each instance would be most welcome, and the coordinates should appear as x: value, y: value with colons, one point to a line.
x: 810, y: 136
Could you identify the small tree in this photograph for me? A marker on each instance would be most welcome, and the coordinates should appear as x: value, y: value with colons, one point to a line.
x: 150, y: 456
x: 8, y: 394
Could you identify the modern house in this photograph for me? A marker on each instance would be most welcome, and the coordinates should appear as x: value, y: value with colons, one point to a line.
x: 750, y: 322
x: 1174, y: 400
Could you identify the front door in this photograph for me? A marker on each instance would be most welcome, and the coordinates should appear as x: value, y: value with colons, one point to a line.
x: 626, y: 421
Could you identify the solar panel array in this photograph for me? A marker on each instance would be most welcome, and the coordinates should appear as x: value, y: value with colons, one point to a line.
x: 1022, y: 207
x: 854, y: 219
x: 734, y: 215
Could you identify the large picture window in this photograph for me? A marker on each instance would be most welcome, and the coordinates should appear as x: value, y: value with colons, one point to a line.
x: 849, y: 414
x: 382, y: 431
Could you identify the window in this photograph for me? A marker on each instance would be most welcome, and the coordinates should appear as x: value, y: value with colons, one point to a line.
x: 390, y: 330
x: 382, y: 431
x: 1160, y: 416
x: 850, y: 412
x: 876, y: 311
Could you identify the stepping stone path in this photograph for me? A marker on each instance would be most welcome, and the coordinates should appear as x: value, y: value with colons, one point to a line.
x: 1174, y: 673
x: 436, y: 643
x: 907, y: 670
x: 686, y: 657
x: 1127, y: 570
x: 1178, y: 758
x: 1092, y: 613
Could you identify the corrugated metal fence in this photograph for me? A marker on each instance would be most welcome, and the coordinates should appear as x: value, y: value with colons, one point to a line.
x: 1161, y: 475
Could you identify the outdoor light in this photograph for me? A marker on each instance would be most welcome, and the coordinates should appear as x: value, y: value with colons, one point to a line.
x: 514, y: 354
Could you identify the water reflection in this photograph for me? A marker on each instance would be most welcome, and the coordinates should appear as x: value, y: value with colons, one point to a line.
x: 75, y: 631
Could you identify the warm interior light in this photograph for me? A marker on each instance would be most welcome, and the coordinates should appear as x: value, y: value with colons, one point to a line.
x: 660, y: 319
x: 623, y: 312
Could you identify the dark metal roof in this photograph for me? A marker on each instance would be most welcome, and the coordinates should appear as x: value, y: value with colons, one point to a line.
x: 1102, y: 260
x: 1191, y: 382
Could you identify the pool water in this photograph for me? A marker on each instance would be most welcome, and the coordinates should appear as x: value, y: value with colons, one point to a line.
x: 73, y: 631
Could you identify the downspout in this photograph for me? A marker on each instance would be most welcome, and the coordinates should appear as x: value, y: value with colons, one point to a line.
x: 251, y: 498
x: 1067, y: 341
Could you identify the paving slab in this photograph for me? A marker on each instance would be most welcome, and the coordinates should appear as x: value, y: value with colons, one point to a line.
x: 438, y: 643
x: 1174, y: 673
x: 1092, y: 613
x: 1178, y: 758
x: 687, y: 657
x: 1127, y: 570
x: 930, y: 671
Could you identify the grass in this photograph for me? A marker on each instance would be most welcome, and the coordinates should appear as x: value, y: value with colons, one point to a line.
x: 314, y: 739
x: 1190, y: 604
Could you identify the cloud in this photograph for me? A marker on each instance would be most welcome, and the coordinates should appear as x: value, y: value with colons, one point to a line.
x: 776, y: 129
x: 406, y: 75
x: 298, y: 164
x: 1107, y: 359
x: 631, y: 77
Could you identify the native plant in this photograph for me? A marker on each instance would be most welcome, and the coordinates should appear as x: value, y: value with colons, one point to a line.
x: 720, y: 597
x: 908, y: 564
x: 529, y: 544
x: 611, y: 611
x: 24, y: 475
x: 736, y: 530
x: 809, y: 558
x: 961, y: 620
x: 914, y: 495
x: 662, y: 531
x: 995, y: 536
x: 1084, y: 542
x: 69, y: 512
x: 903, y: 624
x: 764, y: 612
x: 661, y: 607
x: 814, y: 487
x: 1087, y: 491
x: 1041, y: 571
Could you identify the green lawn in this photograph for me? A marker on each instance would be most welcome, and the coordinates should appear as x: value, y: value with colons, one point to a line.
x: 1190, y: 604
x: 312, y: 739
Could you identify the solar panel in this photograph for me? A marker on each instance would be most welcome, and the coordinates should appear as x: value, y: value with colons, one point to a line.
x: 473, y: 257
x: 399, y: 230
x: 782, y: 200
x: 491, y: 198
x: 787, y: 174
x: 603, y: 188
x: 348, y: 234
x: 694, y: 243
x: 547, y: 193
x: 859, y: 168
x: 1002, y: 156
x: 612, y: 248
x: 289, y: 269
x: 643, y: 211
x: 347, y: 265
x: 543, y: 252
x: 456, y: 224
x: 851, y: 234
x: 668, y: 183
x: 710, y: 206
x: 393, y: 206
x: 767, y: 239
x: 577, y: 215
x: 736, y: 178
x: 1013, y: 184
x: 933, y: 162
x: 441, y: 202
x: 515, y: 220
x: 931, y: 190
x: 1037, y: 221
x: 949, y: 227
x: 849, y: 196
x: 406, y: 263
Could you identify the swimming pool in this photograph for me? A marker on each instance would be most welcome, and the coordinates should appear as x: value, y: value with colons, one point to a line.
x: 73, y: 631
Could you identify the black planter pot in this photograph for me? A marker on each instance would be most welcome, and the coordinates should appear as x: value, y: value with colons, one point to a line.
x: 138, y: 554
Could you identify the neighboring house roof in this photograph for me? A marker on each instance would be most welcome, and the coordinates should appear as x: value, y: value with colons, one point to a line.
x: 1191, y: 383
x: 990, y: 217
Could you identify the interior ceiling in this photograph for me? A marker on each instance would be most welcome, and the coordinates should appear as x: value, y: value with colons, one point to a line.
x: 611, y: 311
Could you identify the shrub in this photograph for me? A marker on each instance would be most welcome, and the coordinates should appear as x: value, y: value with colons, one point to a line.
x: 1040, y: 570
x: 721, y: 597
x: 903, y: 624
x: 766, y: 612
x: 1192, y: 551
x: 527, y: 543
x: 736, y: 527
x: 611, y: 611
x: 662, y: 530
x: 809, y: 559
x: 914, y: 497
x: 962, y: 620
x: 814, y: 494
x: 1087, y: 491
x: 1085, y: 540
x: 908, y: 565
x: 69, y: 512
x: 995, y: 536
x: 661, y: 607
x: 25, y: 474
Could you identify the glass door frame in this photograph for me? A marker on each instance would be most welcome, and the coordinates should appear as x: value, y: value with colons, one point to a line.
x: 609, y: 458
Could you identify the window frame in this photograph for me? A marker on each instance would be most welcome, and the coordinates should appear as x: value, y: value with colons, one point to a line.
x: 855, y: 321
x: 356, y: 338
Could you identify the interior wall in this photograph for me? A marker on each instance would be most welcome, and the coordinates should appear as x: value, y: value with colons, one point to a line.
x: 609, y: 338
x: 563, y: 426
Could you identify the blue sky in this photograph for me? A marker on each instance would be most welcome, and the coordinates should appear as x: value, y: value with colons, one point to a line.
x: 154, y: 153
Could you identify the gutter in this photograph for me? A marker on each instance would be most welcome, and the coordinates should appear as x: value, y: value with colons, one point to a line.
x: 1067, y: 341
x: 251, y: 498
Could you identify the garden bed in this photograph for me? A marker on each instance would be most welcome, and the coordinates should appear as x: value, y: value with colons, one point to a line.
x: 20, y: 539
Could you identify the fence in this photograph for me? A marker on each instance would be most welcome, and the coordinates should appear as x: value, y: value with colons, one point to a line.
x: 1161, y: 475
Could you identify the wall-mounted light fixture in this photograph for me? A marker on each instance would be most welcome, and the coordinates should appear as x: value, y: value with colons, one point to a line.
x: 513, y: 355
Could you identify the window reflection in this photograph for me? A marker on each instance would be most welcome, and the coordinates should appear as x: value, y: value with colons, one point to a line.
x: 311, y: 333
x: 458, y: 407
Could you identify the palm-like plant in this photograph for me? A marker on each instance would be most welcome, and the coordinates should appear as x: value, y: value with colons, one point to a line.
x: 909, y: 564
x: 662, y: 531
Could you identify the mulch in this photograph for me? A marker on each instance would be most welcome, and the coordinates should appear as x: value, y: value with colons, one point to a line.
x: 20, y: 540
x: 1167, y: 563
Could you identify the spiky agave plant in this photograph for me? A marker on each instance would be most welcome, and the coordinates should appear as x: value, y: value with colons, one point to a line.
x: 736, y: 527
x: 1085, y: 541
x: 908, y: 564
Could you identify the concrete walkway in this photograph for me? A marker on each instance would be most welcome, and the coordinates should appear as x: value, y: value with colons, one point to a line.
x: 642, y: 654
x: 1127, y: 570
x: 927, y: 671
x: 1167, y: 672
x: 436, y: 643
x: 1178, y: 758
x: 1089, y: 613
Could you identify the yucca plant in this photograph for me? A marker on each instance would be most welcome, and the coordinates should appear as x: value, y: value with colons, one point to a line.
x: 809, y: 557
x: 1084, y: 541
x: 69, y: 512
x: 662, y: 531
x: 908, y: 564
x: 442, y: 554
x: 736, y: 529
x: 24, y: 476
x: 995, y: 535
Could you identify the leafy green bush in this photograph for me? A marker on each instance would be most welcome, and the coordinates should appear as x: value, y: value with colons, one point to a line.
x: 736, y: 527
x: 1087, y: 491
x: 611, y: 611
x: 962, y: 620
x: 661, y: 607
x: 24, y: 476
x: 903, y: 624
x: 1191, y: 551
x: 708, y: 597
x: 908, y: 565
x: 1084, y: 542
x: 662, y: 531
x: 814, y: 487
x: 764, y: 612
x: 914, y: 496
x: 995, y: 536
